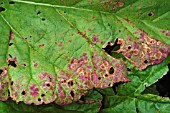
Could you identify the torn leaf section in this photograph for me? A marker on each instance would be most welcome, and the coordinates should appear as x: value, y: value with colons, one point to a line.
x: 144, y: 50
x: 86, y: 72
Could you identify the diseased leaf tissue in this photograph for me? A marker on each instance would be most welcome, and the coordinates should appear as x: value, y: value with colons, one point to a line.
x: 54, y: 53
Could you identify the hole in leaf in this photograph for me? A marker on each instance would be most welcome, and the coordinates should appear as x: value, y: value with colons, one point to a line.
x: 39, y: 99
x: 109, y: 48
x: 2, y: 3
x: 162, y: 85
x: 137, y: 110
x: 115, y: 87
x: 11, y: 2
x: 10, y: 55
x: 24, y: 64
x: 129, y: 47
x: 70, y: 83
x: 72, y: 93
x: 43, y: 19
x: 10, y: 44
x: 106, y: 75
x: 145, y: 61
x: 42, y: 95
x: 48, y: 85
x: 82, y: 98
x: 111, y: 71
x: 64, y: 12
x: 30, y: 36
x: 2, y: 9
x: 8, y: 93
x: 1, y: 71
x: 151, y: 14
x: 12, y: 83
x: 109, y: 85
x: 12, y: 63
x: 128, y: 69
x: 38, y: 12
x: 23, y: 93
x: 99, y: 78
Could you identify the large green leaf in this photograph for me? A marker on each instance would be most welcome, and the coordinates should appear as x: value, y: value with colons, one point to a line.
x: 141, y: 104
x: 44, y: 63
x: 142, y: 79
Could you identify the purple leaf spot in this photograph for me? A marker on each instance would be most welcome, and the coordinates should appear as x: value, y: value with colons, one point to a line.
x: 35, y: 65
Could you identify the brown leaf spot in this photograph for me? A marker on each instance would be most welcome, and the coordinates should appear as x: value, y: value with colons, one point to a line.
x: 148, y: 50
x: 102, y: 67
x: 158, y: 55
x: 135, y: 51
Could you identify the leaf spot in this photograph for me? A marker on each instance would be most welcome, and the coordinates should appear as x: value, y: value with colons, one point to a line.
x: 35, y: 65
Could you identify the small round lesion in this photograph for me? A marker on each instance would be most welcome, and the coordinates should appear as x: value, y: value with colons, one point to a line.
x: 158, y: 55
x: 135, y: 51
